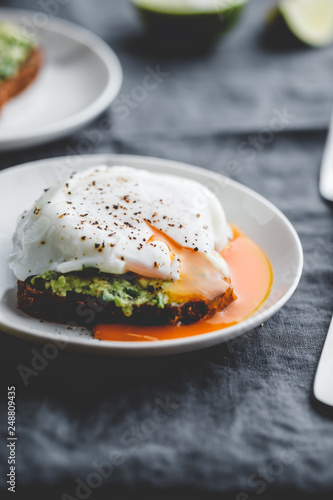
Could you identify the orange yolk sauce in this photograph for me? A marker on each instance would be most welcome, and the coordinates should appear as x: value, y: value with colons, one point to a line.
x: 251, y: 276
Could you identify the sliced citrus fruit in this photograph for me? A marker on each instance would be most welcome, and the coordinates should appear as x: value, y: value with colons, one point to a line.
x: 308, y: 21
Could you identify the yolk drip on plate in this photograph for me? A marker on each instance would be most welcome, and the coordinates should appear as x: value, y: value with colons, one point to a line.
x: 251, y: 276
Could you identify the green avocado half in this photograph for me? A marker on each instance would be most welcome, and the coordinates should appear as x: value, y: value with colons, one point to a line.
x: 186, y: 23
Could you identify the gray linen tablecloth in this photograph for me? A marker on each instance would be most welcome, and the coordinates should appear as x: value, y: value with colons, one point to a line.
x: 233, y: 422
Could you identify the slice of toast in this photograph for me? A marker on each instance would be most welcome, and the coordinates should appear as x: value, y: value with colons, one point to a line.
x: 11, y: 87
x: 85, y: 310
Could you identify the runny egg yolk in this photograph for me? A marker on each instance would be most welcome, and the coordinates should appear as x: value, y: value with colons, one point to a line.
x: 199, y: 278
x: 251, y: 276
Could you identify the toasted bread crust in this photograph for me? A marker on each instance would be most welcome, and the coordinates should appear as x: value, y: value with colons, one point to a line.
x: 11, y: 87
x: 84, y: 310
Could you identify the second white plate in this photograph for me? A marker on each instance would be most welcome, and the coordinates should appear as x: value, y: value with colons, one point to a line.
x: 80, y: 78
x: 253, y: 214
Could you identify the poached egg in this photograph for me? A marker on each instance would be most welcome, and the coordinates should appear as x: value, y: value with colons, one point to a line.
x: 121, y: 219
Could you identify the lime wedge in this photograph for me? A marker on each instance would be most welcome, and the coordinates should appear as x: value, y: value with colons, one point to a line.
x: 308, y: 21
x: 189, y: 21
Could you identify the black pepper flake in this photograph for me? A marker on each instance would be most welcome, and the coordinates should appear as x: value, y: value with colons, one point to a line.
x: 42, y: 242
x: 100, y: 249
x: 37, y: 210
x: 115, y: 207
x: 196, y: 249
x: 83, y: 238
x: 97, y: 245
x: 83, y: 215
x: 122, y: 258
x: 107, y: 207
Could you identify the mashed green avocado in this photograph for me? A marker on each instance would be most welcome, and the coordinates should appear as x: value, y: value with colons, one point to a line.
x: 126, y: 291
x: 15, y: 48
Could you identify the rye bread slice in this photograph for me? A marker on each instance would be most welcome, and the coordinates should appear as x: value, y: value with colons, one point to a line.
x: 28, y: 71
x: 84, y: 310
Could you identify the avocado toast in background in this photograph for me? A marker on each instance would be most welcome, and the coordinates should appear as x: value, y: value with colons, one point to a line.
x: 20, y: 61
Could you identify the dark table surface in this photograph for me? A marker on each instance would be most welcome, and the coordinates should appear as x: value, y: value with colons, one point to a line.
x: 239, y: 423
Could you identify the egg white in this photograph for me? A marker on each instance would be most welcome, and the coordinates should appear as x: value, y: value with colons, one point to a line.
x: 102, y: 217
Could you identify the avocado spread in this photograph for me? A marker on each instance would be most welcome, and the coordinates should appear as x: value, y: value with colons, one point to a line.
x: 15, y: 48
x: 126, y: 291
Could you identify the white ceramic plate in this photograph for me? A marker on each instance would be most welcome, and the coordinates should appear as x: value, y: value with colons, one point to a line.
x: 80, y: 78
x: 259, y: 219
